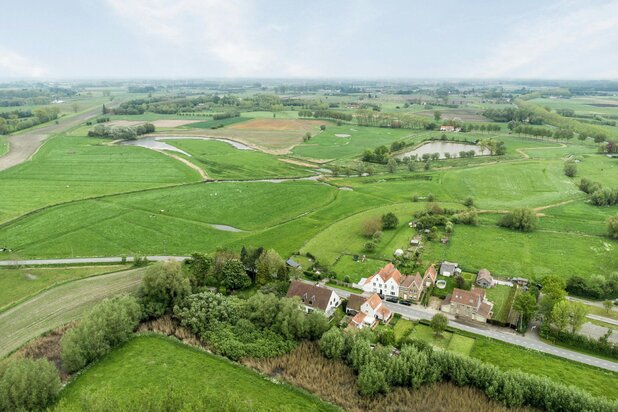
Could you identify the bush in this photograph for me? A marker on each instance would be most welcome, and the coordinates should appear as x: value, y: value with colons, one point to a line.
x: 520, y: 219
x: 370, y: 226
x: 332, y: 343
x: 389, y: 221
x: 570, y: 169
x: 370, y: 246
x: 468, y: 217
x: 163, y: 286
x: 109, y: 324
x: 612, y: 227
x: 27, y: 384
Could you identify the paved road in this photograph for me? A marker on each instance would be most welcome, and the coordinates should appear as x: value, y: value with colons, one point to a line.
x: 79, y: 261
x: 603, y: 319
x: 23, y: 145
x: 502, y: 334
x: 590, y: 302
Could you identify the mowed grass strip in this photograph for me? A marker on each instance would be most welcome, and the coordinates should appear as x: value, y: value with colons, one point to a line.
x: 169, y: 221
x: 502, y: 296
x: 155, y: 364
x: 70, y: 168
x: 599, y: 382
x: 221, y: 160
x: 18, y: 284
x: 60, y: 305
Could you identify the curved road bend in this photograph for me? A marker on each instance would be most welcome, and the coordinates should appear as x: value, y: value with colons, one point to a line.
x: 23, y: 145
x: 417, y: 312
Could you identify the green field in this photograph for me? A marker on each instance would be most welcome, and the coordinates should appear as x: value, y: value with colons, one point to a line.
x: 60, y: 305
x: 599, y: 382
x: 153, y: 365
x: 69, y: 168
x: 221, y: 160
x: 19, y: 284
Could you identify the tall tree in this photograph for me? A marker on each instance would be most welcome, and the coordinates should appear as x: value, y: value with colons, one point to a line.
x: 527, y: 307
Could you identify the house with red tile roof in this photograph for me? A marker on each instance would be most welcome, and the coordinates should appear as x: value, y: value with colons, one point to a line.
x: 370, y: 312
x: 471, y: 304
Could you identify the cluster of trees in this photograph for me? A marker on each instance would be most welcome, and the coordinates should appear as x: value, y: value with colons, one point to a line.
x: 325, y: 114
x: 401, y: 121
x: 33, y: 96
x: 562, y: 319
x: 372, y: 229
x: 121, y: 132
x: 511, y: 114
x: 599, y: 196
x: 225, y: 115
x: 524, y: 220
x: 23, y: 119
x: 261, y: 326
x: 379, y: 369
x: 28, y: 385
x: 109, y: 324
x: 609, y: 147
x: 595, y: 287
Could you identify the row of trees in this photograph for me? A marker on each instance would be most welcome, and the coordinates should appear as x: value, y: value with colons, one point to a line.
x: 325, y: 114
x: 14, y: 121
x: 599, y: 196
x: 379, y: 370
x: 121, y: 132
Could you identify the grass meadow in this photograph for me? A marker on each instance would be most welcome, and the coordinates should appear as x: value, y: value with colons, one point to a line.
x: 153, y: 365
x: 69, y: 168
x: 221, y: 160
x: 19, y: 284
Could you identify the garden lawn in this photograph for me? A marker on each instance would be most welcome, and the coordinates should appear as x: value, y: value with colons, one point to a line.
x: 346, y: 266
x: 425, y: 333
x: 402, y: 329
x: 69, y: 168
x: 221, y: 160
x: 155, y: 365
x: 461, y: 344
x: 18, y: 284
x: 502, y: 296
x: 598, y: 382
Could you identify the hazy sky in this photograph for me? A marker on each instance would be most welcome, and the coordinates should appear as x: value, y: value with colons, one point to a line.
x: 293, y: 38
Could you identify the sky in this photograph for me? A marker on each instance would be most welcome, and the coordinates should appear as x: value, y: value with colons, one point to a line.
x: 380, y: 39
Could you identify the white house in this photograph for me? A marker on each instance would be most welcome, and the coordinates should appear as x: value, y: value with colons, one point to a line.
x: 385, y: 282
x: 314, y: 297
x: 370, y: 311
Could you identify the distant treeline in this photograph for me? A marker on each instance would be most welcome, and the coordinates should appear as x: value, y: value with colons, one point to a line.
x: 31, y: 97
x: 24, y: 119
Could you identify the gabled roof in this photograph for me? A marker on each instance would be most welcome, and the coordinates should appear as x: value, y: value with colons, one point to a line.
x: 472, y: 298
x: 355, y: 302
x: 358, y: 319
x: 484, y: 274
x: 291, y: 262
x: 389, y: 272
x: 448, y: 267
x: 408, y: 281
x: 311, y: 295
x: 374, y: 301
x: 431, y: 273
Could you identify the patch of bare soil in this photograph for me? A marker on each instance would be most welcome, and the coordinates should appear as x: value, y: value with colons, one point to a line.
x: 156, y: 123
x: 279, y: 124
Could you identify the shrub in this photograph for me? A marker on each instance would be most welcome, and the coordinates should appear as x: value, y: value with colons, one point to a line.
x: 332, y: 343
x: 163, y: 286
x: 468, y: 217
x: 570, y: 169
x: 372, y: 381
x: 370, y: 226
x: 109, y: 324
x: 28, y: 385
x: 389, y: 221
x: 612, y: 227
x: 520, y: 219
x: 370, y: 246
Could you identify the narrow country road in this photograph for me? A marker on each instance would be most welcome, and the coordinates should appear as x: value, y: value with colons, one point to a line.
x: 79, y: 261
x: 60, y: 305
x: 23, y: 145
x: 501, y: 334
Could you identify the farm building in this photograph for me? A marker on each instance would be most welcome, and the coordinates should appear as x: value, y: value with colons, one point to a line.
x: 292, y: 263
x: 449, y: 269
x: 484, y: 279
x: 314, y: 297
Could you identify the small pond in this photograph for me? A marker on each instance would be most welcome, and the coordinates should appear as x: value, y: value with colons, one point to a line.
x: 442, y: 147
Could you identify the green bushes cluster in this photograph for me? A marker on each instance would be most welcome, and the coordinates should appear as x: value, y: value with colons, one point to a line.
x: 28, y: 385
x: 602, y: 346
x: 109, y: 324
x: 599, y: 196
x: 379, y: 369
x: 261, y: 326
x: 120, y: 132
x: 524, y: 220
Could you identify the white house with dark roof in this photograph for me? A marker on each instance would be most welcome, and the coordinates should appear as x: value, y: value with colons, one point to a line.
x: 314, y: 297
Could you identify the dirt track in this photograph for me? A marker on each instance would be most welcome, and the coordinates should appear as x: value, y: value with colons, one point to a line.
x: 22, y: 146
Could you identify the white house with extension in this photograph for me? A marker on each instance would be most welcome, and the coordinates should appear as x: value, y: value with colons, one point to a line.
x: 314, y: 297
x: 370, y: 311
x: 385, y: 282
